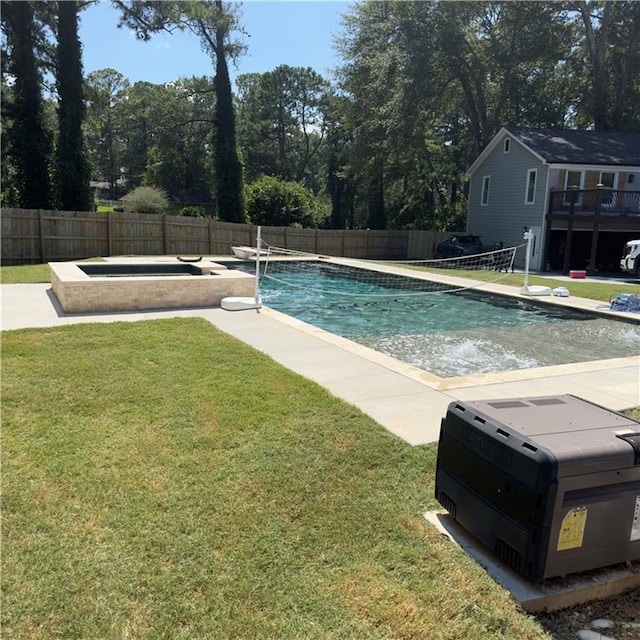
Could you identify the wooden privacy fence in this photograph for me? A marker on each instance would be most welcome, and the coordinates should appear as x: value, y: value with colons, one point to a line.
x: 38, y: 236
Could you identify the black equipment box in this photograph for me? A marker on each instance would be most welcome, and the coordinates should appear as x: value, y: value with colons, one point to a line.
x: 551, y: 484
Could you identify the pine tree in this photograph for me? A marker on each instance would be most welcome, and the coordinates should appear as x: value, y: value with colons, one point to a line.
x: 28, y: 140
x: 72, y: 166
x: 228, y: 168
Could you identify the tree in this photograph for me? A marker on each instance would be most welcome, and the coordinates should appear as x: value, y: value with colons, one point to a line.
x: 72, y: 167
x: 229, y: 181
x: 430, y: 83
x: 137, y: 127
x: 611, y: 37
x: 275, y: 202
x: 339, y: 179
x: 29, y: 141
x: 504, y: 58
x: 281, y: 123
x: 106, y: 91
x: 179, y: 121
x: 157, y: 134
x: 212, y: 24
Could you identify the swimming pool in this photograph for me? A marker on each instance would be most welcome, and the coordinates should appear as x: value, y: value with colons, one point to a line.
x: 446, y: 333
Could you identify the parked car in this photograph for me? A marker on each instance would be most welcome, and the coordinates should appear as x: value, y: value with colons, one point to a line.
x: 460, y: 244
x: 630, y: 261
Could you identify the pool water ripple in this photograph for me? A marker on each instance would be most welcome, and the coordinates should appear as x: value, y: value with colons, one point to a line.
x: 476, y: 351
x: 450, y: 334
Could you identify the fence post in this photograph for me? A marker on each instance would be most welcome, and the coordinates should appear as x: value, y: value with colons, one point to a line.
x: 109, y: 233
x: 210, y: 236
x: 164, y: 234
x: 41, y: 234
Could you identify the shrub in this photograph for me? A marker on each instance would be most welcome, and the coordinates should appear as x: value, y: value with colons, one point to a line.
x: 275, y: 202
x: 193, y: 212
x: 146, y: 200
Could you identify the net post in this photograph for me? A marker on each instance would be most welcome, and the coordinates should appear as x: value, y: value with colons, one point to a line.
x: 528, y: 235
x: 258, y: 247
x: 536, y: 289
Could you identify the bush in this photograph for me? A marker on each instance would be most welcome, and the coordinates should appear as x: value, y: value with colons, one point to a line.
x: 274, y: 202
x: 193, y: 212
x: 146, y: 200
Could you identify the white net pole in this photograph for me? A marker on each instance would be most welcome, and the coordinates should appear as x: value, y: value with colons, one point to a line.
x: 528, y: 235
x: 258, y: 247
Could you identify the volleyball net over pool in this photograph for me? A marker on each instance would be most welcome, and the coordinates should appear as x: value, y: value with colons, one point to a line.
x: 372, y: 278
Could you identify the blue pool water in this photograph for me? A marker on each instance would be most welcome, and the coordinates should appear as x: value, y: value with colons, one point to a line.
x: 449, y: 334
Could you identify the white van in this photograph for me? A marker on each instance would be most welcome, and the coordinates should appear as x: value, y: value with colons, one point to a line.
x: 630, y: 261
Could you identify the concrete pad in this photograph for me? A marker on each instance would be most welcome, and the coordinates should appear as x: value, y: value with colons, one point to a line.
x: 414, y: 417
x: 551, y: 595
x: 28, y: 305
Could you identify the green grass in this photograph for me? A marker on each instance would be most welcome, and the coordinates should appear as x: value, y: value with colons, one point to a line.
x: 30, y: 273
x: 590, y: 289
x: 163, y: 480
x: 25, y: 274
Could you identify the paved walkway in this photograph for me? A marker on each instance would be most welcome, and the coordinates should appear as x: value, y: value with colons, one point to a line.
x: 403, y: 399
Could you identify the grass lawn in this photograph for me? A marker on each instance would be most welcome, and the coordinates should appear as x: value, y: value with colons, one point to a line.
x: 30, y: 273
x: 163, y: 480
x: 25, y: 274
x: 589, y: 289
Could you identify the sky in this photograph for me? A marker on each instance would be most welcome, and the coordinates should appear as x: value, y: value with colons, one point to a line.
x: 298, y: 33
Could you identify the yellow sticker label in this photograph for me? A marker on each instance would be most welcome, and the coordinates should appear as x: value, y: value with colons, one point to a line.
x: 572, y: 529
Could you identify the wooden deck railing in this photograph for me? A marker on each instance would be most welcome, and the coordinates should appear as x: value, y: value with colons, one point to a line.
x: 595, y: 202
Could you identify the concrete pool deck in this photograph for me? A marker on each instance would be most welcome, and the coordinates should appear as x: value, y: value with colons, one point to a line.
x: 406, y: 401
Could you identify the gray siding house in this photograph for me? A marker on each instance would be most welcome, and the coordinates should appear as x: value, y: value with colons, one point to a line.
x: 578, y: 191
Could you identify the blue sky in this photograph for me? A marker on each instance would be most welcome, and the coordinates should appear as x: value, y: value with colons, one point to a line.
x: 298, y: 33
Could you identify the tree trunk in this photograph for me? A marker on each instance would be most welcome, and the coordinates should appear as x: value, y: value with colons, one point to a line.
x: 29, y: 148
x: 72, y: 165
x: 597, y: 48
x: 227, y: 163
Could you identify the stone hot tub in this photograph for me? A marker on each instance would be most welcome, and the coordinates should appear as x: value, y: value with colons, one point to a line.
x: 135, y: 284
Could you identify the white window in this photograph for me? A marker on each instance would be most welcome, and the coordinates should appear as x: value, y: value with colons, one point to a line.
x: 573, y: 179
x: 608, y: 179
x: 530, y: 196
x: 484, y: 199
x: 506, y: 145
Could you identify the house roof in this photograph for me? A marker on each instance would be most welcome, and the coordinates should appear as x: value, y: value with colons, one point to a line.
x: 581, y: 147
x: 568, y: 146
